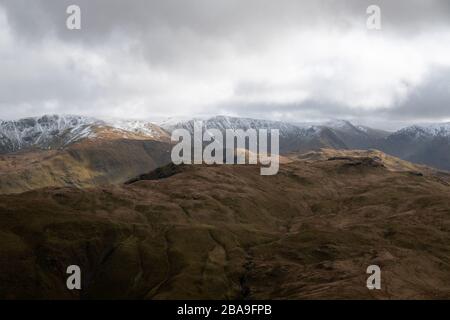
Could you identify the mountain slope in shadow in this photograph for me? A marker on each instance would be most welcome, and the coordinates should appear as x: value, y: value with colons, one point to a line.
x: 225, y: 232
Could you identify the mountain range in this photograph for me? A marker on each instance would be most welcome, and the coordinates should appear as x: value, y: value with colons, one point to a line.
x: 58, y: 131
x: 427, y: 144
x: 60, y: 150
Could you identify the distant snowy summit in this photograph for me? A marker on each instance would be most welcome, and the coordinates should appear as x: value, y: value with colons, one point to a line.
x: 427, y: 130
x: 425, y: 143
x: 226, y: 122
x: 44, y: 132
x: 294, y: 136
x: 56, y: 131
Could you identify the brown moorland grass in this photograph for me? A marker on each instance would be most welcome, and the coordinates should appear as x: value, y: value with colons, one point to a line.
x: 225, y: 232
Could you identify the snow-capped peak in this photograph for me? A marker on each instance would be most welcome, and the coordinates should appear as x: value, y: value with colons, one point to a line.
x: 54, y: 131
x: 428, y: 129
x: 134, y: 126
x: 227, y: 122
x: 46, y: 132
x: 340, y: 125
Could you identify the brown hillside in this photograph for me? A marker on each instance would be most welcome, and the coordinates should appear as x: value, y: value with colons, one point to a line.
x: 85, y: 164
x: 226, y: 232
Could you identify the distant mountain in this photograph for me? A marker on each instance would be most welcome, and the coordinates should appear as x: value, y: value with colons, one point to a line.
x: 224, y: 122
x: 55, y: 150
x: 337, y: 134
x: 426, y: 144
x: 77, y: 151
x: 57, y: 131
x: 355, y: 137
x: 292, y: 136
x: 45, y: 132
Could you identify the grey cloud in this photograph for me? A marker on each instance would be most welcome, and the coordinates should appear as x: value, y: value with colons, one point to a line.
x: 429, y: 102
x: 231, y: 18
x: 183, y: 40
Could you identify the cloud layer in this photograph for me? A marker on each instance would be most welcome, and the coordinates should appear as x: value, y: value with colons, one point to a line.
x: 289, y: 60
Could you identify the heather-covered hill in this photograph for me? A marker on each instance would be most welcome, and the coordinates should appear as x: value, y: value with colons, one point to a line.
x: 84, y: 164
x: 227, y: 232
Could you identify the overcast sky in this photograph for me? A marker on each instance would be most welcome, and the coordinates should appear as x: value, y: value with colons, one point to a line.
x: 272, y: 59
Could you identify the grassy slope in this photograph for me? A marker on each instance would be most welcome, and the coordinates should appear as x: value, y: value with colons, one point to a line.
x: 227, y: 232
x: 85, y: 164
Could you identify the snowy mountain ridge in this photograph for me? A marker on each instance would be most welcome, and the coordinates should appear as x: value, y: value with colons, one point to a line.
x: 227, y: 122
x: 55, y: 131
x: 58, y: 131
x: 427, y: 130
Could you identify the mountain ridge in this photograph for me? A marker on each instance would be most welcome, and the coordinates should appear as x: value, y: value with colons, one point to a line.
x: 56, y: 150
x: 59, y: 131
x: 53, y: 130
x: 424, y: 144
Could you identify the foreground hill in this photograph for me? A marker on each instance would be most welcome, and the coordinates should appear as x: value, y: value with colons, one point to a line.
x: 227, y: 232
